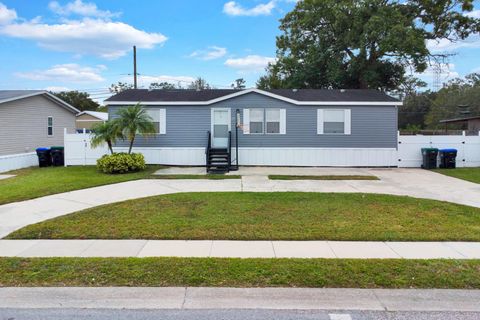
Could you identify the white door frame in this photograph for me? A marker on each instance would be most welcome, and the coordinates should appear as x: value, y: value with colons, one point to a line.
x: 212, y: 119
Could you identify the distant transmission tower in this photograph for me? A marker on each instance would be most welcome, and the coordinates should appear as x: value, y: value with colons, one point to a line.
x: 439, y: 71
x: 437, y: 76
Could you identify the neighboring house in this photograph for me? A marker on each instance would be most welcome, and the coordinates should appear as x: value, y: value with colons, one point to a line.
x: 87, y: 119
x: 471, y: 124
x: 305, y: 127
x: 33, y: 118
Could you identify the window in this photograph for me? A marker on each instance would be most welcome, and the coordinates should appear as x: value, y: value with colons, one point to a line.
x: 272, y: 120
x: 256, y: 120
x: 334, y: 121
x: 158, y: 118
x: 50, y: 126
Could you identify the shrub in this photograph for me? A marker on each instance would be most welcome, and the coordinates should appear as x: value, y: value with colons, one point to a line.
x: 121, y: 163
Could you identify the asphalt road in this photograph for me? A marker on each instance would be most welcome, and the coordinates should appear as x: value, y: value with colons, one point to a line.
x: 225, y: 314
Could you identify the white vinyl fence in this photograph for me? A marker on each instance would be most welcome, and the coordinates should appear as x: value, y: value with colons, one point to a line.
x: 18, y: 161
x: 79, y: 152
x: 468, y: 149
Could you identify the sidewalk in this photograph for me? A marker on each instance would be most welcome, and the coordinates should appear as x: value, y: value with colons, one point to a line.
x: 242, y: 298
x: 240, y: 249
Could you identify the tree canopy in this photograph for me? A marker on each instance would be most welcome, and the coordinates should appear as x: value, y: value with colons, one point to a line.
x: 362, y: 43
x: 80, y: 100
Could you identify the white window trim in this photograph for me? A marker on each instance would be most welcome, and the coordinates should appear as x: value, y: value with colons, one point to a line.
x: 48, y: 126
x: 162, y: 120
x: 282, y: 121
x: 347, y: 122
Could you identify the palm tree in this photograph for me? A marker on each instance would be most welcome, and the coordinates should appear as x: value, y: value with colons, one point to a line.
x: 108, y: 132
x: 133, y: 120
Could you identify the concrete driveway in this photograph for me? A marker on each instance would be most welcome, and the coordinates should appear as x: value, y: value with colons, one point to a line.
x: 410, y: 182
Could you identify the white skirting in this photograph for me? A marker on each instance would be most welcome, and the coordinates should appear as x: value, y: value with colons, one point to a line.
x: 18, y: 161
x: 332, y: 157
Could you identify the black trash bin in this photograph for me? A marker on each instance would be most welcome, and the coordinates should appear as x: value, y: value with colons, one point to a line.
x: 44, y: 157
x: 448, y: 158
x: 58, y: 158
x: 429, y: 156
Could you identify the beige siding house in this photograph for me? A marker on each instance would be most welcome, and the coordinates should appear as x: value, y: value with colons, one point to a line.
x: 87, y: 119
x: 30, y: 119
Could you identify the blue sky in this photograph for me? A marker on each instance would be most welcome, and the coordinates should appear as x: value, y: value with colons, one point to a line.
x: 86, y: 45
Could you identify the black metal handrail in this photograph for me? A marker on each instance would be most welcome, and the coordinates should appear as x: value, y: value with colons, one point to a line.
x: 207, y: 149
x: 229, y: 148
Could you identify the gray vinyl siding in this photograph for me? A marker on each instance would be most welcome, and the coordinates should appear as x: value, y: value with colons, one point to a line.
x: 371, y: 126
x: 23, y: 124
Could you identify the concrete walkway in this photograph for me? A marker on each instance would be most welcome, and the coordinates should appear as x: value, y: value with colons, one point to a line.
x: 242, y: 298
x: 240, y: 249
x: 411, y: 182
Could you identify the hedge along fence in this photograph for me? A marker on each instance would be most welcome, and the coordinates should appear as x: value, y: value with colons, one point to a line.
x: 79, y: 152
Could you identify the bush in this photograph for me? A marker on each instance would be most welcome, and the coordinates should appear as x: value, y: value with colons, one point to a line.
x: 121, y: 163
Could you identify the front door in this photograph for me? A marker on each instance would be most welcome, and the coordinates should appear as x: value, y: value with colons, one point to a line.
x: 220, y: 127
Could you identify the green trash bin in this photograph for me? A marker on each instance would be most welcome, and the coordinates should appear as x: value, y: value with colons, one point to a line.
x: 429, y: 156
x: 58, y: 158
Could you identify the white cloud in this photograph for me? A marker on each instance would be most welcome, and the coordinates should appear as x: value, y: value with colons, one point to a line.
x: 234, y: 9
x: 251, y: 63
x: 474, y: 14
x: 145, y: 81
x: 211, y: 53
x: 57, y: 89
x: 86, y: 9
x: 6, y: 15
x: 447, y: 73
x: 70, y: 72
x: 98, y: 37
x: 445, y: 45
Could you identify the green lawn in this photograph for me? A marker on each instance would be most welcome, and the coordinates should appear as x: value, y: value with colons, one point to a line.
x: 336, y: 177
x: 215, y: 272
x: 195, y: 176
x: 469, y: 174
x: 266, y: 216
x: 38, y: 182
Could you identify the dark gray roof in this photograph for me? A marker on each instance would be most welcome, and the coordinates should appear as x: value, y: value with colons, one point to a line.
x: 351, y: 95
x: 13, y: 94
x: 460, y: 119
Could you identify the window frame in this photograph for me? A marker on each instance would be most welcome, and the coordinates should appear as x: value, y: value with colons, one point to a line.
x: 50, y: 126
x: 347, y: 122
x: 263, y: 121
x: 279, y: 121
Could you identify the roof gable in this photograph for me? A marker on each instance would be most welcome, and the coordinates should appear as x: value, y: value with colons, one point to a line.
x: 12, y: 95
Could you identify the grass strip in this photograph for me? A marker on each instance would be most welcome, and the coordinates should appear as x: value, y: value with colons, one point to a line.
x: 216, y: 272
x: 195, y: 176
x: 36, y: 182
x: 468, y: 174
x: 324, y: 177
x: 266, y: 216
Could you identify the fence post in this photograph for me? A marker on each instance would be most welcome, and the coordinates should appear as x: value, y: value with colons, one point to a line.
x: 65, y: 146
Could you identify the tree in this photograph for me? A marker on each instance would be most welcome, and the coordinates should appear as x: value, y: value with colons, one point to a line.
x: 80, y: 100
x: 454, y: 99
x: 199, y: 84
x: 119, y: 87
x: 238, y: 84
x: 107, y: 132
x: 132, y: 120
x: 416, y: 106
x: 362, y: 43
x: 162, y: 85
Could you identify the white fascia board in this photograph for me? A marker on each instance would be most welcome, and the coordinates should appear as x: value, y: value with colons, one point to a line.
x: 60, y: 101
x: 265, y: 93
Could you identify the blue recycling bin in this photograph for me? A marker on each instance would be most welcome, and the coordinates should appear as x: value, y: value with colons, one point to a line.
x: 44, y: 157
x: 448, y: 158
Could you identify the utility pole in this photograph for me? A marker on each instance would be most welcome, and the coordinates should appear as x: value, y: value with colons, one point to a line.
x: 135, y: 67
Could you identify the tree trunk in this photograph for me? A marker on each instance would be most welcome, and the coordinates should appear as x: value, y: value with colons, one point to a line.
x: 109, y: 143
x: 131, y: 145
